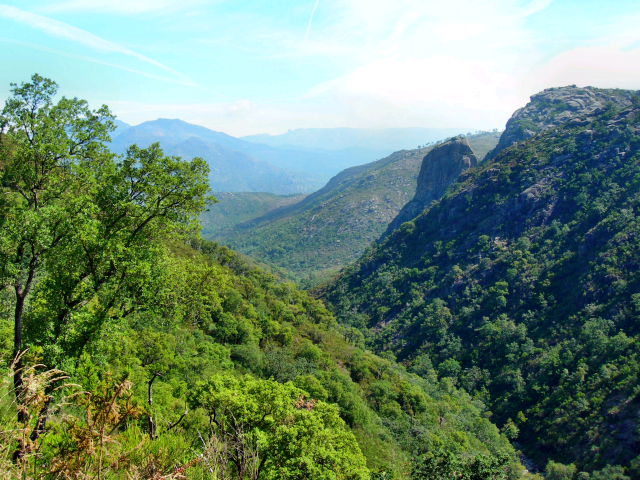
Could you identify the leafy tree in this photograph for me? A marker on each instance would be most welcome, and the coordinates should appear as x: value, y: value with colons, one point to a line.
x: 41, y: 144
x: 85, y: 223
x: 274, y: 432
x: 610, y: 473
x: 444, y: 465
x: 558, y: 471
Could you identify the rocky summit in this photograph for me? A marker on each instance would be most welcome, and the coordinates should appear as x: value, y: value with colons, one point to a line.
x: 556, y: 106
x: 440, y: 168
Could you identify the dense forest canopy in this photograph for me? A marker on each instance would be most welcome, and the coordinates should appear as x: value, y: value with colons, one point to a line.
x: 520, y: 285
x: 131, y: 348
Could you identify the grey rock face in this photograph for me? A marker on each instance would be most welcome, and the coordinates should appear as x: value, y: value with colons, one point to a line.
x: 555, y: 106
x: 440, y: 168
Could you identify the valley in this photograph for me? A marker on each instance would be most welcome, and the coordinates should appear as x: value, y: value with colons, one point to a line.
x: 471, y: 305
x: 314, y: 238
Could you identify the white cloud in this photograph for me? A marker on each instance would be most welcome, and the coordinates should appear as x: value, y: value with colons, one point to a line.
x: 239, y: 108
x: 607, y: 66
x: 68, y: 32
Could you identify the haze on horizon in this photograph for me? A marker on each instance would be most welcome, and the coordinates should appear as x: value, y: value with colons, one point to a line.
x: 266, y: 67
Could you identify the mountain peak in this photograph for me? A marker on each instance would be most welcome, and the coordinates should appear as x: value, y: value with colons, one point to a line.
x: 555, y: 106
x: 440, y: 168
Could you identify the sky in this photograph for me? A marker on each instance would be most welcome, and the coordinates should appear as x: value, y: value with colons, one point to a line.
x: 246, y: 67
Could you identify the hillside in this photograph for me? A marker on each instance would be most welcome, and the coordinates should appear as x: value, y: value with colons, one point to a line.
x: 132, y: 349
x: 258, y: 330
x: 333, y: 226
x: 521, y: 284
x: 238, y: 207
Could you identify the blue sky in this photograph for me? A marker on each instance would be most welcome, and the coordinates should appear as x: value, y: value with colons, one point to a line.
x: 244, y: 67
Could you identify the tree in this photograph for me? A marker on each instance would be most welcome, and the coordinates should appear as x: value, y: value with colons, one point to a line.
x: 444, y: 465
x: 40, y: 143
x: 80, y: 223
x: 558, y: 471
x: 271, y: 431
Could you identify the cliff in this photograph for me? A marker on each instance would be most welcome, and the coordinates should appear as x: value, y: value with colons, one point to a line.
x: 440, y: 168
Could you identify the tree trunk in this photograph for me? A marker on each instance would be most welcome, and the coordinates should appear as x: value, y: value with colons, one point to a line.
x: 17, y: 347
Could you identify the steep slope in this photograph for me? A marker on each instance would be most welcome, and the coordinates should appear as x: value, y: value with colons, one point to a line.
x: 440, y: 168
x: 232, y: 170
x: 241, y: 321
x: 333, y: 226
x: 382, y: 139
x: 521, y: 285
x: 234, y: 208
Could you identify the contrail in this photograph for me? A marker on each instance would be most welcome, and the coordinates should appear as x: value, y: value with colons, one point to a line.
x: 307, y: 34
x: 74, y: 34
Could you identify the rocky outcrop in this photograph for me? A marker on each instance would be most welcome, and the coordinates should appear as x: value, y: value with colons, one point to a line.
x: 555, y: 106
x: 440, y: 168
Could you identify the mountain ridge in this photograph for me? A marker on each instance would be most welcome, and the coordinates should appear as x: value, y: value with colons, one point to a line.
x: 383, y: 139
x: 520, y: 285
x: 318, y: 235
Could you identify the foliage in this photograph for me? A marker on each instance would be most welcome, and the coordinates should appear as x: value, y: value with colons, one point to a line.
x: 315, y: 237
x: 520, y: 286
x: 91, y: 221
x: 165, y: 339
x: 273, y: 427
x: 443, y: 465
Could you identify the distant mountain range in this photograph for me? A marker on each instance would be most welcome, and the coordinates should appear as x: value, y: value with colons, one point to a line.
x: 234, y: 164
x: 300, y: 161
x: 386, y: 140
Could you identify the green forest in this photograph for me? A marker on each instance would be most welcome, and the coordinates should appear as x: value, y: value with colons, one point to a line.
x: 521, y: 287
x: 493, y: 337
x: 134, y: 349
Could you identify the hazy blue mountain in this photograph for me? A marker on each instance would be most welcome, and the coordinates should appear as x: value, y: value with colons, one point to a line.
x: 386, y: 140
x: 120, y: 127
x: 232, y: 170
x: 168, y: 132
x: 310, y: 161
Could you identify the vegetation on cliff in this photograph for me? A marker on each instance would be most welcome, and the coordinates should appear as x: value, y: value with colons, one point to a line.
x: 332, y: 227
x: 520, y: 286
x: 143, y: 351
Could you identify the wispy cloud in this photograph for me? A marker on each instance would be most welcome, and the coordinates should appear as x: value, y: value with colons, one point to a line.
x: 534, y: 6
x: 68, y: 32
x: 92, y: 60
x: 122, y: 7
x: 307, y: 33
